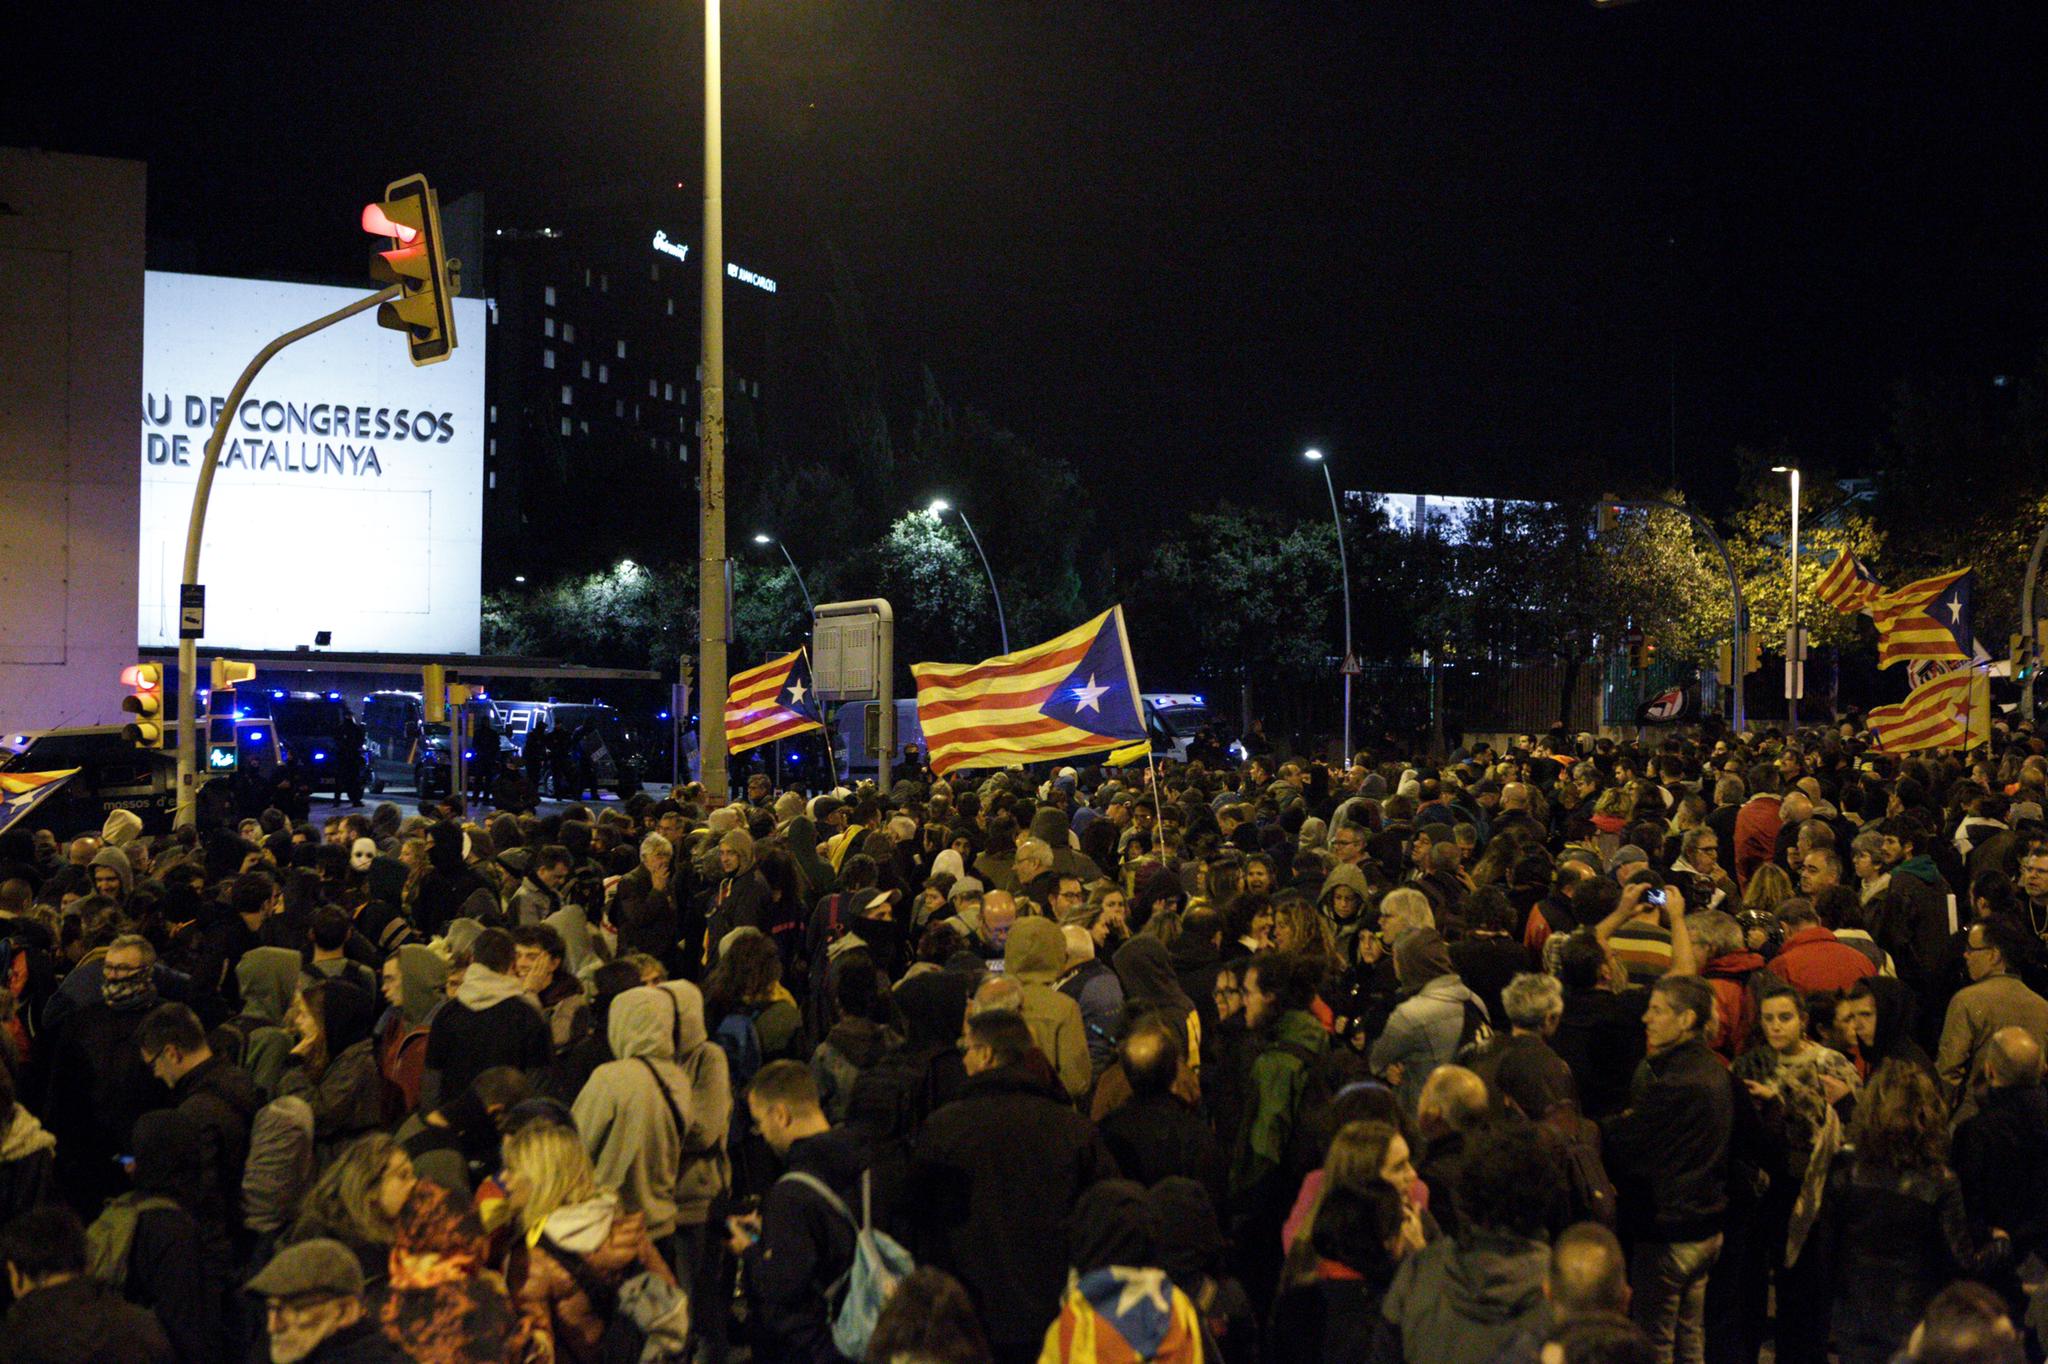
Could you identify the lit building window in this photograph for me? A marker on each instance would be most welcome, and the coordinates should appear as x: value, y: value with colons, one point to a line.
x: 547, y: 326
x: 568, y: 331
x: 586, y: 369
x: 604, y: 373
x: 565, y: 426
x: 668, y: 393
x: 547, y: 358
x: 567, y: 395
x: 549, y: 294
x: 622, y: 351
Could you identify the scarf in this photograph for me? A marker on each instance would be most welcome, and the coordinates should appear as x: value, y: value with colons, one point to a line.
x: 131, y: 994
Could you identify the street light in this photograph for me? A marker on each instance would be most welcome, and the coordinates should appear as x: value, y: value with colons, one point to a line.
x: 763, y: 539
x: 1795, y: 651
x: 938, y: 509
x: 1344, y: 571
x: 711, y: 560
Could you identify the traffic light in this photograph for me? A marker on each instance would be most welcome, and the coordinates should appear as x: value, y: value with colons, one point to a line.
x: 1752, y: 654
x: 145, y: 702
x: 229, y: 673
x: 410, y: 215
x: 1609, y: 516
x: 1724, y: 665
x: 434, y: 691
x: 1649, y: 650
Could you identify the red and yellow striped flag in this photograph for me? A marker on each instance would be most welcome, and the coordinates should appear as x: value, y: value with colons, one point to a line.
x: 770, y: 702
x: 1847, y: 585
x: 1952, y: 711
x: 1926, y: 619
x: 1074, y: 694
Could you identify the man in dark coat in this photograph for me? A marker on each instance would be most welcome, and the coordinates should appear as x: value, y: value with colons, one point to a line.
x: 647, y: 911
x: 97, y: 1084
x: 221, y: 1101
x: 61, y: 1314
x: 1155, y: 1134
x: 998, y: 1168
x: 492, y: 1021
x: 1998, y: 1153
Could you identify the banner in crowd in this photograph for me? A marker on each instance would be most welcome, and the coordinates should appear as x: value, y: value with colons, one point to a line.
x: 773, y: 701
x: 22, y: 792
x: 1848, y: 586
x: 1074, y: 694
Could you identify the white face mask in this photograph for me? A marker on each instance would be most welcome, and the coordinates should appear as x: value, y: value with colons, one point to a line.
x: 361, y: 854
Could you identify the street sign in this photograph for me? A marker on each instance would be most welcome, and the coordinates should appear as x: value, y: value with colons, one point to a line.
x: 192, y: 611
x: 843, y: 657
x: 1351, y: 668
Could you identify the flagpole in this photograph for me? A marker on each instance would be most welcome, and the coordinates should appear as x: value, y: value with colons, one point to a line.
x: 1158, y: 813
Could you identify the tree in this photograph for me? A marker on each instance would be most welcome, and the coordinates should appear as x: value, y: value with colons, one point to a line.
x: 1830, y: 523
x: 627, y: 616
x: 934, y: 582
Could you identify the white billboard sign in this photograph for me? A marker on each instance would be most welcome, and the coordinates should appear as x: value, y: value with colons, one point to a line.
x: 349, y: 496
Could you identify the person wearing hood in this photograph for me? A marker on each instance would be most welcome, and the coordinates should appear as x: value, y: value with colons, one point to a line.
x: 1425, y: 1027
x: 802, y: 1240
x: 451, y: 889
x: 113, y: 875
x: 741, y: 897
x: 97, y: 1083
x: 443, y: 1303
x: 858, y: 1037
x: 166, y: 1269
x: 655, y: 1119
x: 1118, y: 1300
x: 1033, y: 955
x: 1053, y: 828
x: 269, y: 981
x: 1095, y: 987
x: 994, y: 1172
x: 1342, y: 901
x: 573, y: 1067
x: 1466, y: 1297
x: 381, y: 919
x: 1191, y: 1251
x: 492, y: 1021
x: 1144, y: 965
x: 334, y: 1064
x: 574, y: 1240
x: 414, y: 984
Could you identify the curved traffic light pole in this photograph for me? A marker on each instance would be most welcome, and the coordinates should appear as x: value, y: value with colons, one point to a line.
x: 188, y: 648
x: 1738, y: 627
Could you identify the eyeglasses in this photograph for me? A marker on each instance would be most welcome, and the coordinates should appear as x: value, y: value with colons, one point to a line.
x: 1226, y: 992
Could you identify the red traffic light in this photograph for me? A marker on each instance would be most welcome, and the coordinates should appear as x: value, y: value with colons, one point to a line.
x: 375, y: 220
x: 143, y: 676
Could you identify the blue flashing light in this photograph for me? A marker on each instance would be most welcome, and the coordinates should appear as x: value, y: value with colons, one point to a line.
x: 319, y: 755
x: 256, y: 735
x: 241, y: 714
x: 662, y: 716
x: 276, y: 695
x: 796, y: 757
x: 334, y: 696
x: 1200, y: 702
x: 467, y: 755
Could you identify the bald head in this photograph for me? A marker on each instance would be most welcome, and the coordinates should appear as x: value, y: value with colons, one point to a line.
x: 1453, y: 1098
x: 1588, y: 1274
x: 997, y: 993
x: 1795, y: 807
x: 1151, y: 1059
x: 1514, y: 796
x: 2012, y: 1058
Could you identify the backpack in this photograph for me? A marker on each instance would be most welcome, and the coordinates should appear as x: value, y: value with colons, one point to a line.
x: 1577, y: 1140
x: 1475, y: 1036
x: 646, y: 1318
x: 112, y: 1235
x: 741, y: 1043
x: 1323, y: 1076
x: 856, y: 1298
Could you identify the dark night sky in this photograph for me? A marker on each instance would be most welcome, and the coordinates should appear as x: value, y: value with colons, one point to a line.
x: 1458, y: 245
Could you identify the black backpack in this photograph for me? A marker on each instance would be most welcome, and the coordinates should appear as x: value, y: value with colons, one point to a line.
x: 1589, y: 1192
x: 1325, y: 1074
x: 1475, y: 1036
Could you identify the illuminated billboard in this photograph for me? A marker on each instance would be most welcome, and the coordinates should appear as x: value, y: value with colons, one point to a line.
x: 349, y: 496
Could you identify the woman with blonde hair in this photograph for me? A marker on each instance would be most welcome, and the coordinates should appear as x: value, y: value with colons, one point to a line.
x: 571, y: 1236
x: 357, y: 1200
x: 1769, y: 886
x: 741, y: 900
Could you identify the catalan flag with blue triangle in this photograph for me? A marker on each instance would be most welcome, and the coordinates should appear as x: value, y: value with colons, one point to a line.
x: 773, y: 701
x: 1119, y: 1315
x: 1925, y: 619
x: 1076, y: 693
x: 22, y: 792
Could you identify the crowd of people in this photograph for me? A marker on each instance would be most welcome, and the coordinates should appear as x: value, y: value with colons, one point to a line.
x: 1573, y: 1050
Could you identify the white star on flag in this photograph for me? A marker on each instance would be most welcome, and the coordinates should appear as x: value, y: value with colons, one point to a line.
x: 1090, y: 696
x: 796, y: 692
x: 1955, y: 609
x: 1140, y: 1285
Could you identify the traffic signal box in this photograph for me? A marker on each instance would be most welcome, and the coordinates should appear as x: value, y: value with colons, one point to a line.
x: 410, y: 215
x: 145, y: 701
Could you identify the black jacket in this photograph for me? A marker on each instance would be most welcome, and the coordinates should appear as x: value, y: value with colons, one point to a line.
x: 221, y: 1100
x: 98, y: 1087
x: 1601, y: 1039
x: 1890, y: 1241
x: 805, y: 1245
x: 463, y: 1042
x: 2003, y: 1166
x: 998, y: 1170
x: 1155, y: 1136
x: 81, y: 1321
x: 649, y: 921
x: 1668, y: 1151
x: 362, y: 1342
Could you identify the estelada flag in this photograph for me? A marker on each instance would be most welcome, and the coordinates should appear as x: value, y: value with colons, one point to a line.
x: 1952, y: 711
x: 1926, y: 619
x: 1847, y: 585
x: 22, y: 792
x: 770, y: 702
x: 1074, y: 694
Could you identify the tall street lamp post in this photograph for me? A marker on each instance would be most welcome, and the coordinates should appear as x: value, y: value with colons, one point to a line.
x: 711, y: 566
x: 938, y: 509
x: 1344, y: 572
x: 759, y: 539
x: 1795, y: 644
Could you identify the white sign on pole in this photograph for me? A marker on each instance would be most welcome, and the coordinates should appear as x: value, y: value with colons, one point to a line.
x: 843, y: 657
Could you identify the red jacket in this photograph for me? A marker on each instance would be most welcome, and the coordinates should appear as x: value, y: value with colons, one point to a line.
x: 1814, y: 960
x: 1734, y: 1003
x: 1756, y: 835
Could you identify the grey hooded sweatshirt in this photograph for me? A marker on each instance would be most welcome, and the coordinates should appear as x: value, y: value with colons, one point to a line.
x: 657, y: 1032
